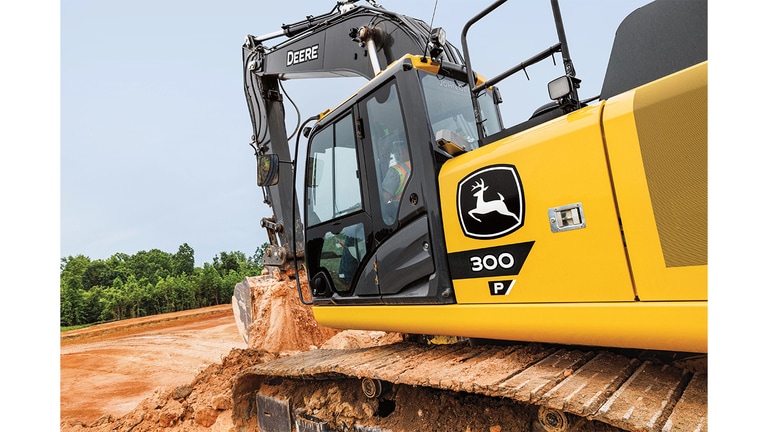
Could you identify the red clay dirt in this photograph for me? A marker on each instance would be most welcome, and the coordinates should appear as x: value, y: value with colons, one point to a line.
x: 109, y: 369
x: 172, y: 372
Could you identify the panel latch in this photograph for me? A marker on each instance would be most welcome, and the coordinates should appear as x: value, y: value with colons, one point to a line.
x: 567, y: 217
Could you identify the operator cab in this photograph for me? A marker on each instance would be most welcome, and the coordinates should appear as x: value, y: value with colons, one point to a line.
x: 371, y: 185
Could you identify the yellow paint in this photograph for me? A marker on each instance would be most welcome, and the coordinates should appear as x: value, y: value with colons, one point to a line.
x: 560, y: 162
x: 431, y: 66
x: 674, y: 326
x: 654, y: 279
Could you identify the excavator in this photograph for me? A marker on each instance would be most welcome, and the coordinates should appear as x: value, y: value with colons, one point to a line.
x: 556, y: 267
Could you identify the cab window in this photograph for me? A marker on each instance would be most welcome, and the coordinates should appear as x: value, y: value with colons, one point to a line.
x: 390, y: 148
x: 332, y: 182
x: 450, y: 107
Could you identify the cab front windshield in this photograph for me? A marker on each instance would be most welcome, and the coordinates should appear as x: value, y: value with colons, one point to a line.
x: 450, y: 107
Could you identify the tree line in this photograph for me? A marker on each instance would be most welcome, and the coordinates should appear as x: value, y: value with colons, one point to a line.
x: 148, y: 283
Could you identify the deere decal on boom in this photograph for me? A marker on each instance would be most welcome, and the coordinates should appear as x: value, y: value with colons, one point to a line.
x: 578, y: 236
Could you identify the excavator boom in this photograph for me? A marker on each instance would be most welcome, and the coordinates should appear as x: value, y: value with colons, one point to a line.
x: 351, y: 40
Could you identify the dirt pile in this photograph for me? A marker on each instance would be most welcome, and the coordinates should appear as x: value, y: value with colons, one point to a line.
x: 202, y: 405
x: 281, y: 325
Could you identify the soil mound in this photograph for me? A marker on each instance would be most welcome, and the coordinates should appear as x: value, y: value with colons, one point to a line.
x: 202, y: 405
x: 281, y: 325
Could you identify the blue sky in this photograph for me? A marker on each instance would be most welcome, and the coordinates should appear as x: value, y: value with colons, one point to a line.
x: 154, y: 124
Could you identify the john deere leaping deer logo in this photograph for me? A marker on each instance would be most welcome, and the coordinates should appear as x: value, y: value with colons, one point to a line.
x: 490, y: 202
x: 484, y: 207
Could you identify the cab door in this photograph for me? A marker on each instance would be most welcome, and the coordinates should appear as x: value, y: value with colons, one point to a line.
x: 338, y: 229
x: 403, y: 263
x: 365, y: 237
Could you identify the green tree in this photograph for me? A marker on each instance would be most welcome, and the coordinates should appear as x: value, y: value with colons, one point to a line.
x: 148, y: 282
x: 224, y: 262
x: 184, y: 260
x: 115, y: 304
x: 228, y: 283
x: 166, y: 295
x: 71, y: 306
x: 208, y: 284
x: 91, y: 301
x: 98, y: 273
x: 71, y: 303
x: 139, y: 296
x: 151, y: 265
x: 72, y: 269
x: 255, y: 264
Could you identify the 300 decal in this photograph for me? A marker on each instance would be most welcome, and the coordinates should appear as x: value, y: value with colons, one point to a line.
x: 496, y: 261
x: 504, y: 260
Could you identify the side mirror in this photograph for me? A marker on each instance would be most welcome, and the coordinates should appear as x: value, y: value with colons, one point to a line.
x: 268, y: 169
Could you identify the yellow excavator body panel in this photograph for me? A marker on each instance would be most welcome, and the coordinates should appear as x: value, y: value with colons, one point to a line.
x: 559, y: 163
x: 610, y: 246
x: 619, y: 325
x: 660, y: 176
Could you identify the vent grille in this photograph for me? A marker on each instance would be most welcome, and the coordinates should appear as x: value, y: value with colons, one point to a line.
x: 675, y: 161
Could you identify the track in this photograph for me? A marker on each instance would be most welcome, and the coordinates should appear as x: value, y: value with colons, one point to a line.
x: 599, y: 387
